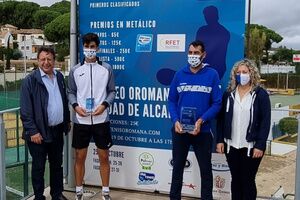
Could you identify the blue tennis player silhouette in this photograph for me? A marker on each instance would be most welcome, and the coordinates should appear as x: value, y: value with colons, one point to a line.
x: 215, y: 38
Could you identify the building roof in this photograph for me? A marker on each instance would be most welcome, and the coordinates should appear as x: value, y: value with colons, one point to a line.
x: 29, y: 31
x: 9, y: 26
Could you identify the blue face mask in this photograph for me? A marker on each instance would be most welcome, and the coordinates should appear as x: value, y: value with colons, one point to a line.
x: 242, y: 79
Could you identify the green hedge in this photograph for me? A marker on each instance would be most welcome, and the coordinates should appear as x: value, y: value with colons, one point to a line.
x: 288, y: 125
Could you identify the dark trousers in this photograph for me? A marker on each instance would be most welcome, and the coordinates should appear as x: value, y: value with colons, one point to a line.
x: 243, y: 170
x: 202, y: 146
x: 39, y: 153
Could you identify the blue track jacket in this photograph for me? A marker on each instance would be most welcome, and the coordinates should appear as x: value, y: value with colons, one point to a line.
x: 201, y: 90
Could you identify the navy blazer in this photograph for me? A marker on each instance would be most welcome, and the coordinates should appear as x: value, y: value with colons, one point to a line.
x: 34, y: 102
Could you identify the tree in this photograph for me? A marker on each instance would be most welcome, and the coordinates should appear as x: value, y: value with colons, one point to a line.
x: 257, y: 42
x: 59, y: 29
x: 17, y: 54
x: 7, y: 12
x: 6, y: 54
x: 271, y: 37
x: 288, y: 125
x: 62, y: 49
x: 23, y: 14
x: 18, y: 13
x: 2, y: 50
x: 283, y: 55
x: 61, y: 7
x: 43, y: 17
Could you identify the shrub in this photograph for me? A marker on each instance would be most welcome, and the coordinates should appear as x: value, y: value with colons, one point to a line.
x: 288, y: 125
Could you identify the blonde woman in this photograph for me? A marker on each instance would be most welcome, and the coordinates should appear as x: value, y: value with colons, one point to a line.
x: 243, y: 128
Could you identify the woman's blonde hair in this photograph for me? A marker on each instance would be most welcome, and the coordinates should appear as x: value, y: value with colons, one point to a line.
x: 254, y: 74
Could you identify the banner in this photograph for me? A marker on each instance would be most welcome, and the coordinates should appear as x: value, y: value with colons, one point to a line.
x: 151, y: 169
x: 296, y: 58
x: 146, y: 42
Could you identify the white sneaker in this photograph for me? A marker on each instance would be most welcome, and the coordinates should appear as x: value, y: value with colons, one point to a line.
x: 79, y: 195
x: 105, y: 196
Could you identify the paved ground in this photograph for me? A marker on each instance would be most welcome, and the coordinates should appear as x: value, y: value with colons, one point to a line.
x: 275, y: 171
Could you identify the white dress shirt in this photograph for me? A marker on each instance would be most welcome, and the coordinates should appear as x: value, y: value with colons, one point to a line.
x: 240, y: 122
x: 55, y: 107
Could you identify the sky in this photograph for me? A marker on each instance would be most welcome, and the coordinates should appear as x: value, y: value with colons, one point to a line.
x: 281, y: 16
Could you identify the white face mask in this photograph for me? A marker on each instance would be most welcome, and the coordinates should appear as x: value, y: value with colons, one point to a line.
x: 89, y: 53
x: 194, y: 60
x: 242, y: 79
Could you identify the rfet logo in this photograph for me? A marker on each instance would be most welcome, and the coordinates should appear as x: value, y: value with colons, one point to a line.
x: 171, y: 42
x: 219, y: 182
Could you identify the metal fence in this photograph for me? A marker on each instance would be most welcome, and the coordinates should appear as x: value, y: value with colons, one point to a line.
x: 15, y: 160
x: 14, y: 157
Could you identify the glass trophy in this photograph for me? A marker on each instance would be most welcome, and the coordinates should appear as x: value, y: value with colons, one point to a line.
x: 188, y: 119
x: 89, y: 105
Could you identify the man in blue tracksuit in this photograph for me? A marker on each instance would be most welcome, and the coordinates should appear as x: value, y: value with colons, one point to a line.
x: 195, y: 89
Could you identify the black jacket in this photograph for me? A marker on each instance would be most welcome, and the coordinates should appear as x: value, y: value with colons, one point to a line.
x: 260, y: 118
x: 34, y: 102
